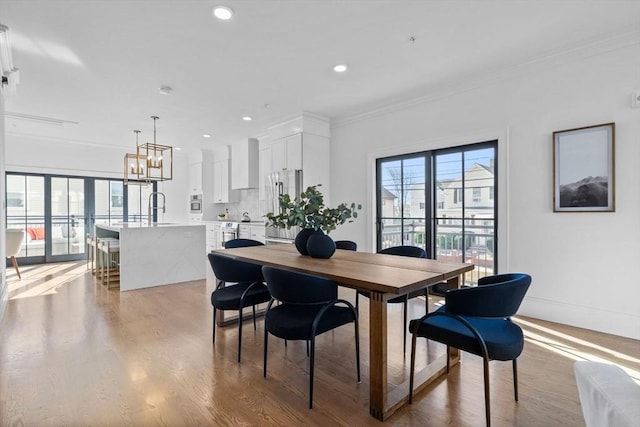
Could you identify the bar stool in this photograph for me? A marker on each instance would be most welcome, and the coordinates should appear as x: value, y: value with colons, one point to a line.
x: 109, y: 259
x: 91, y: 252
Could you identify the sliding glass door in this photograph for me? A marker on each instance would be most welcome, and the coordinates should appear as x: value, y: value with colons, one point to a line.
x: 443, y: 201
x: 65, y: 225
x: 26, y: 211
x: 465, y: 209
x: 57, y: 212
x: 402, y: 201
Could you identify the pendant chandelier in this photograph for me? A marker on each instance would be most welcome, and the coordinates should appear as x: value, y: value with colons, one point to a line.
x: 151, y: 162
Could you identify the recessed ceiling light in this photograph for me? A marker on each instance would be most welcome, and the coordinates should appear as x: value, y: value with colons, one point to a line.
x: 206, y: 135
x: 223, y: 13
x: 247, y: 118
x: 340, y: 68
x: 165, y: 90
x: 177, y: 148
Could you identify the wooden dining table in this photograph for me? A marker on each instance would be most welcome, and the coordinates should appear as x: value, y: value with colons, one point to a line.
x: 383, y: 277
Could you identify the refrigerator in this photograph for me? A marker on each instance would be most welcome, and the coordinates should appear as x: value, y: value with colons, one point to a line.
x: 279, y: 183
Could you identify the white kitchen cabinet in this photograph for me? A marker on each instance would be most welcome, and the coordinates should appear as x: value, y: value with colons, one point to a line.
x: 195, y: 178
x: 265, y: 168
x: 244, y: 231
x: 257, y: 232
x: 252, y: 231
x: 200, y: 175
x: 286, y: 153
x: 244, y: 164
x: 221, y: 177
x: 212, y: 233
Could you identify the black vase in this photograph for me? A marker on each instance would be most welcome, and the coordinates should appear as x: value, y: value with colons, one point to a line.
x: 320, y: 246
x: 302, y: 237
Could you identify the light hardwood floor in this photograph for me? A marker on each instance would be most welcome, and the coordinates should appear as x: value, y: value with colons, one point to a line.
x: 74, y: 353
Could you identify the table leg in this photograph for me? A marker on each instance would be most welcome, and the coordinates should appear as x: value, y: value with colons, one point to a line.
x: 378, y: 355
x: 383, y: 402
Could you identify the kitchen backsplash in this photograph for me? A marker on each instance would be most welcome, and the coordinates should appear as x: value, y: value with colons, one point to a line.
x: 249, y: 202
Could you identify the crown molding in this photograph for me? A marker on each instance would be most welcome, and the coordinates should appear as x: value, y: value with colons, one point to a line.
x: 297, y: 116
x: 594, y: 46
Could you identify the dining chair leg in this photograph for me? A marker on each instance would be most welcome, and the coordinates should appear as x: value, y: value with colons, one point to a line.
x: 515, y: 379
x: 264, y: 361
x: 357, y: 348
x: 254, y: 317
x: 15, y: 265
x: 307, y: 348
x: 404, y: 329
x: 214, y: 325
x: 357, y: 302
x: 311, y: 366
x: 239, y: 332
x: 413, y: 367
x: 486, y: 391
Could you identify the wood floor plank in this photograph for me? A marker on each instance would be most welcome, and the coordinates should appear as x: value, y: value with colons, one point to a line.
x: 75, y: 353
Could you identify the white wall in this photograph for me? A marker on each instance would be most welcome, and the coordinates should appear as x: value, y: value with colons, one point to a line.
x: 584, y: 265
x: 37, y: 155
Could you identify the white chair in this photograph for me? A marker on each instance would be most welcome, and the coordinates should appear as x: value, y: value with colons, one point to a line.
x: 14, y: 239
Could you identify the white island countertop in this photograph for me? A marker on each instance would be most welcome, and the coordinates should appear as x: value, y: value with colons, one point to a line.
x: 158, y: 253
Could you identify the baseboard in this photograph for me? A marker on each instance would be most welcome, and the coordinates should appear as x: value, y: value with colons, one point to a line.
x: 594, y: 318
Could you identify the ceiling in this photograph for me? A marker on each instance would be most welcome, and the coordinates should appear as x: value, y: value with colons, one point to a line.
x: 97, y: 65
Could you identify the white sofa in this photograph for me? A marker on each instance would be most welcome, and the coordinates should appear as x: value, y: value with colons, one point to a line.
x: 609, y: 397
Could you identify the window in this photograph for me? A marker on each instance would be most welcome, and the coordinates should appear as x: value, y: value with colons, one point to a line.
x: 477, y: 193
x: 458, y: 225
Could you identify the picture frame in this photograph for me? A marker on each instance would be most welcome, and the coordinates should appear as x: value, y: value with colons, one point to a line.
x: 584, y: 169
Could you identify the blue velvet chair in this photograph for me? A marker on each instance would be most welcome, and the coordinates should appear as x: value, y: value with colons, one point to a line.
x: 241, y: 243
x: 410, y: 251
x: 478, y: 320
x: 309, y: 306
x: 347, y: 245
x: 247, y: 289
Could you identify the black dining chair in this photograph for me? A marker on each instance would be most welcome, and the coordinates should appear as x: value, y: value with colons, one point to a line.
x: 241, y: 243
x: 478, y: 320
x: 309, y: 306
x: 246, y: 288
x: 347, y: 245
x: 409, y: 251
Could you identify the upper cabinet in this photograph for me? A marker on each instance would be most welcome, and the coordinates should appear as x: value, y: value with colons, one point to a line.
x: 286, y: 153
x: 301, y: 142
x: 265, y: 166
x: 200, y: 174
x: 221, y: 178
x: 245, y: 164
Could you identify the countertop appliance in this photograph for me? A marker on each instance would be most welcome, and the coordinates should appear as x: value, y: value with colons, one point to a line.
x: 279, y: 183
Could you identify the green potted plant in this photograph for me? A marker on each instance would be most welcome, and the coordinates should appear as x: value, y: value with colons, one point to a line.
x: 308, y: 212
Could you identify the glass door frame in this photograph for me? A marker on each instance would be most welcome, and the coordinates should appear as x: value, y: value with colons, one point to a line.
x: 430, y: 196
x: 89, y: 214
x: 48, y: 220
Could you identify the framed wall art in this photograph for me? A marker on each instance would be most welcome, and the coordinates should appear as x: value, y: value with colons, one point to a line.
x: 584, y: 169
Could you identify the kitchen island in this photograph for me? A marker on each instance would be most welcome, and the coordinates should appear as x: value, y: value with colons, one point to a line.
x: 157, y: 254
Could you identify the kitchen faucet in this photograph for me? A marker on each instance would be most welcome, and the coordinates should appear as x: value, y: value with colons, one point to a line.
x: 151, y: 208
